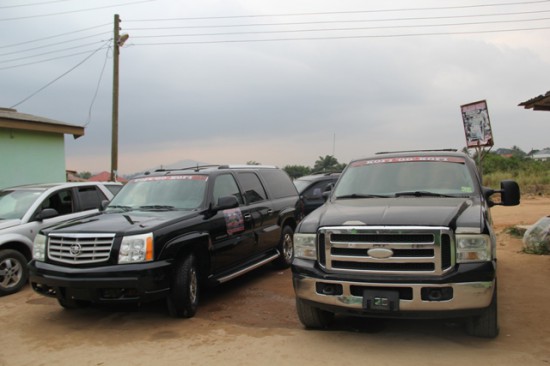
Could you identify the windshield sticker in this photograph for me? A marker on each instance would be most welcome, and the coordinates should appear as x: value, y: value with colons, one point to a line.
x: 408, y: 159
x: 467, y: 189
x: 172, y: 177
x: 233, y: 220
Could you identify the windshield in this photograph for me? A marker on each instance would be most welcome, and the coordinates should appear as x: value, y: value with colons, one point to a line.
x: 181, y: 192
x: 15, y: 203
x: 417, y: 176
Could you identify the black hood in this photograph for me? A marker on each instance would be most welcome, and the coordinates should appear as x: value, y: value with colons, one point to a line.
x: 402, y: 211
x: 124, y: 222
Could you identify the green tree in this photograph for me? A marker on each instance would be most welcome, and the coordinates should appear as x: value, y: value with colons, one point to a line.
x: 327, y: 164
x: 252, y: 162
x: 297, y: 171
x: 85, y: 175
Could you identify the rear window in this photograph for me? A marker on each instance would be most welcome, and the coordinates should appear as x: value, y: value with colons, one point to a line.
x: 278, y: 183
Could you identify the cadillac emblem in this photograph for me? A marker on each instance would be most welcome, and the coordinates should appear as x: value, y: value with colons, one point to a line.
x: 75, y: 250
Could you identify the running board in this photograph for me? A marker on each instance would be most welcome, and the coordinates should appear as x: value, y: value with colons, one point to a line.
x: 248, y: 269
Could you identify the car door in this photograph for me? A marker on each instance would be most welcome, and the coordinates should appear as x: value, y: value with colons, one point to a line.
x: 266, y: 227
x: 231, y: 230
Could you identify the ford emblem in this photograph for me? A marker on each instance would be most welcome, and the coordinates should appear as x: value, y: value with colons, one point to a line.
x: 380, y: 253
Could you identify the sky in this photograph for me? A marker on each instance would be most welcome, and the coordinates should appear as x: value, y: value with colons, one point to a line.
x: 275, y: 82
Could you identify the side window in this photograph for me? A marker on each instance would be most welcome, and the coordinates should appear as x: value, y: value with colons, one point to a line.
x: 316, y: 191
x: 252, y: 187
x: 61, y: 201
x: 278, y: 183
x: 90, y: 198
x: 224, y: 186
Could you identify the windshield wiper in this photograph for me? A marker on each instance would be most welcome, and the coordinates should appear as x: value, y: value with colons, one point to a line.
x: 421, y: 194
x: 157, y: 207
x: 124, y: 208
x: 357, y: 195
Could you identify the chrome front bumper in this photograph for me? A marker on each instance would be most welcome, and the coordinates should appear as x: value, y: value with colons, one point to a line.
x: 470, y: 295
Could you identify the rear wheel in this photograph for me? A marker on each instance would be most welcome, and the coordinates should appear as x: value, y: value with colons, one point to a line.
x: 486, y: 324
x: 286, y: 248
x: 13, y: 271
x: 184, y: 295
x: 312, y: 317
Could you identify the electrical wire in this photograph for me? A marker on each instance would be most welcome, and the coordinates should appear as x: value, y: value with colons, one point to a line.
x: 54, y: 44
x: 60, y: 76
x: 74, y: 11
x: 32, y: 4
x: 89, y: 119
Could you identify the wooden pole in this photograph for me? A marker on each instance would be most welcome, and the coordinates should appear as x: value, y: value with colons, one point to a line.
x: 114, y: 135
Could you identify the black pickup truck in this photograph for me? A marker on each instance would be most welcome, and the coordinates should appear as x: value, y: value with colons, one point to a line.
x: 166, y: 234
x: 402, y: 235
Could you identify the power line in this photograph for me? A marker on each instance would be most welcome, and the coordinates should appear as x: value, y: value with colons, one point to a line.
x: 343, y: 37
x: 338, y: 29
x: 74, y: 11
x: 48, y: 53
x: 60, y: 76
x: 89, y: 119
x: 32, y: 4
x: 344, y: 12
x: 338, y: 21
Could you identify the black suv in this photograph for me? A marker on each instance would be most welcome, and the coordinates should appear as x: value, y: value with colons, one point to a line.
x: 167, y: 233
x: 311, y: 189
x: 403, y: 235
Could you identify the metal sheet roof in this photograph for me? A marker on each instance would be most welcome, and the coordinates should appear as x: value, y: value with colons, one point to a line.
x: 10, y: 118
x: 540, y: 103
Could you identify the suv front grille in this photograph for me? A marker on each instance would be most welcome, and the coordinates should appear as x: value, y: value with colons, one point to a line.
x: 80, y: 248
x: 386, y: 250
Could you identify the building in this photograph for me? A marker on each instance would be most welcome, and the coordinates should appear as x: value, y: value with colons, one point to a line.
x: 32, y: 148
x: 542, y: 155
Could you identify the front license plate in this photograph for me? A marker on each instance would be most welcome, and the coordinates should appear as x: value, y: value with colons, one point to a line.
x: 381, y: 300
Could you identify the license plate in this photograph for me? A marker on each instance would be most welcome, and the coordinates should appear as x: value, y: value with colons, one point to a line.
x: 381, y: 300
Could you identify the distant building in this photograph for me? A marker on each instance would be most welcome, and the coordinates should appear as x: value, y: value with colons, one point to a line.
x: 541, y: 155
x: 32, y: 148
x: 507, y: 153
x: 105, y: 177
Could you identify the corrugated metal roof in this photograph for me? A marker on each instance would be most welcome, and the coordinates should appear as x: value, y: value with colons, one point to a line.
x: 540, y: 103
x: 10, y: 118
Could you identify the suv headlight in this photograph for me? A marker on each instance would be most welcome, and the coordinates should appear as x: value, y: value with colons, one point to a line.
x: 473, y: 248
x: 39, y: 247
x: 305, y: 246
x: 136, y: 248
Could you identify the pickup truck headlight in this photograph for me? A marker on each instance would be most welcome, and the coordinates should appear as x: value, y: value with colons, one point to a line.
x: 136, y: 248
x: 305, y: 246
x: 39, y: 247
x: 473, y: 248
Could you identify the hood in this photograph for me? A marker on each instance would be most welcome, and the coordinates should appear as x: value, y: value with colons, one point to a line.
x: 123, y: 222
x: 4, y: 224
x: 401, y: 211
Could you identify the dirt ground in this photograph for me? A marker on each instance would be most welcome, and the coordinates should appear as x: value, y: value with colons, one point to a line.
x: 252, y: 321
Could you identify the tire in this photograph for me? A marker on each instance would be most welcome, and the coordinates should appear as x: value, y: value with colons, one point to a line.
x: 486, y: 324
x: 13, y: 271
x: 312, y: 317
x: 285, y: 248
x: 183, y: 299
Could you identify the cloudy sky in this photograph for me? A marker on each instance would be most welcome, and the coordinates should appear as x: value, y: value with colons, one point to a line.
x: 277, y: 82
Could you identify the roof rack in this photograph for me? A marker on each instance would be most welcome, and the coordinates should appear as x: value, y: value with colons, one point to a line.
x: 194, y: 167
x: 410, y: 151
x: 245, y: 166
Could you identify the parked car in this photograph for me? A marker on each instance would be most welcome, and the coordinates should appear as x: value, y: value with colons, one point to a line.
x: 24, y: 210
x: 403, y: 235
x: 168, y: 233
x: 311, y: 189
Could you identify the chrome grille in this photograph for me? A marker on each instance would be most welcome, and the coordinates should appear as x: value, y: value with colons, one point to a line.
x: 386, y: 250
x: 80, y: 248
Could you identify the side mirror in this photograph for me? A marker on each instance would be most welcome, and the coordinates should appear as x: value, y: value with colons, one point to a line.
x: 225, y: 203
x: 104, y: 205
x: 509, y: 194
x: 47, y: 213
x: 328, y: 191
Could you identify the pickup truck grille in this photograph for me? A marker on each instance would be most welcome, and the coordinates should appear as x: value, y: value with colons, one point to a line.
x: 80, y: 248
x: 386, y: 250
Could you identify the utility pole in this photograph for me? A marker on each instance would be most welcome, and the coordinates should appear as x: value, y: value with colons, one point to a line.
x: 114, y: 134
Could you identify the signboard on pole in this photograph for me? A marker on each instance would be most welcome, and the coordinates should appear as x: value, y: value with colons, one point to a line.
x: 477, y: 125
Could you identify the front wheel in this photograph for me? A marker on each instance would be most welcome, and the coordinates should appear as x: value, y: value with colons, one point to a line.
x: 312, y: 317
x: 486, y: 324
x: 13, y: 271
x: 286, y: 248
x: 184, y: 294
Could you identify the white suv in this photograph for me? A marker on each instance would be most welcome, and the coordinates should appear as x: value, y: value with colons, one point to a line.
x: 24, y: 210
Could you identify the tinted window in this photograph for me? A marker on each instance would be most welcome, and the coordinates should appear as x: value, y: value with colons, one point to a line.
x: 252, y: 187
x: 278, y: 183
x: 61, y: 201
x: 90, y: 198
x: 224, y: 186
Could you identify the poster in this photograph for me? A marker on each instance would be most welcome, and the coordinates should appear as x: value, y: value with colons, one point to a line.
x: 477, y: 125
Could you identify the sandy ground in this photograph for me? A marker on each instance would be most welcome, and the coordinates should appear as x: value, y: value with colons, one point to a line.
x: 252, y: 321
